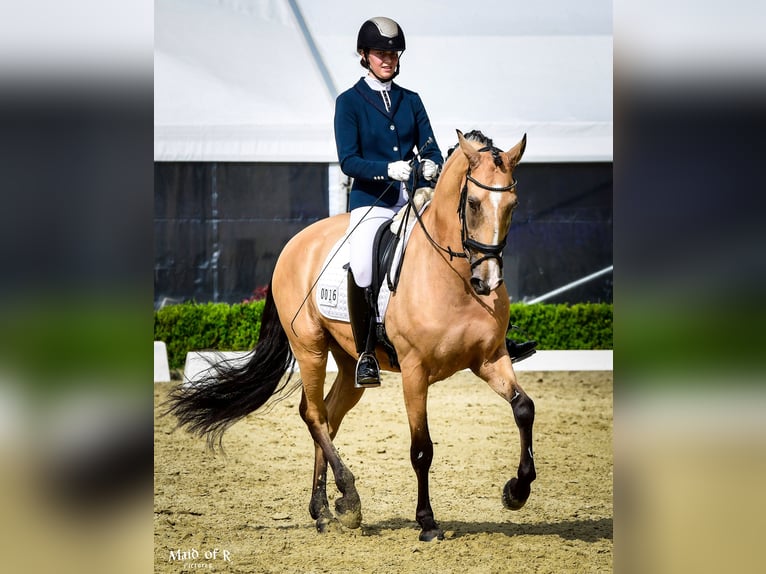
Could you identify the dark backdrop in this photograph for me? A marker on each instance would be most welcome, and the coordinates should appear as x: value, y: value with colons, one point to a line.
x: 561, y: 232
x: 219, y: 227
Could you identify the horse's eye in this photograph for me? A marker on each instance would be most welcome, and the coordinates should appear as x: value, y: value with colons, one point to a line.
x: 474, y: 204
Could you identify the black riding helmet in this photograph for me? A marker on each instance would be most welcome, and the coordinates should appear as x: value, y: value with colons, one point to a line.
x: 380, y: 33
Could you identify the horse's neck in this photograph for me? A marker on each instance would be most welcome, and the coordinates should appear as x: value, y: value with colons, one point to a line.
x: 443, y: 221
x: 443, y: 224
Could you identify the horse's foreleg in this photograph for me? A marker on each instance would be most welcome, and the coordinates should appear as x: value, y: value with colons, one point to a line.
x: 516, y: 490
x: 421, y: 455
x: 502, y: 380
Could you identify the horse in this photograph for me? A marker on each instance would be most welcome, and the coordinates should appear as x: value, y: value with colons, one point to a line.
x: 449, y: 312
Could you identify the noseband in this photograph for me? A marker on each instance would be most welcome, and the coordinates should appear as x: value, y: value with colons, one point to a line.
x: 471, y: 245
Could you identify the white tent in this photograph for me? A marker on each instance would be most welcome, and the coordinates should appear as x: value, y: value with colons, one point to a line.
x: 255, y: 80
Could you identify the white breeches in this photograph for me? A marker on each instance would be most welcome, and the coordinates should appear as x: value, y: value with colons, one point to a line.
x: 365, y: 222
x: 369, y: 220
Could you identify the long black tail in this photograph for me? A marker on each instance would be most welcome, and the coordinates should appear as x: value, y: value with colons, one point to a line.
x: 231, y: 391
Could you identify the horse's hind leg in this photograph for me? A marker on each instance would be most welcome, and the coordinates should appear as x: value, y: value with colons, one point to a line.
x: 323, y: 419
x: 319, y: 508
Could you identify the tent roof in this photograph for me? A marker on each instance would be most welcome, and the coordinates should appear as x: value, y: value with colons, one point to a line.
x: 236, y: 80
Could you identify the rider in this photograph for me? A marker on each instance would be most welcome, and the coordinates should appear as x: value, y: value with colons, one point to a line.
x: 377, y: 126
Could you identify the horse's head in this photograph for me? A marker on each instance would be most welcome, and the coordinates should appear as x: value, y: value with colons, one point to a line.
x: 487, y: 201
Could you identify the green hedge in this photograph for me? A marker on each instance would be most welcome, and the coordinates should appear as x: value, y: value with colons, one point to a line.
x: 197, y: 326
x: 579, y: 326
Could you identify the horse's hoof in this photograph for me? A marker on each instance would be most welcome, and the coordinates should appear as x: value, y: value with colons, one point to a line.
x: 515, y: 500
x: 430, y: 535
x: 349, y: 512
x: 325, y: 525
x: 429, y: 529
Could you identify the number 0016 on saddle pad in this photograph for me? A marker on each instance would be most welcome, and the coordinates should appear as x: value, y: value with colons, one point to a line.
x: 331, y: 291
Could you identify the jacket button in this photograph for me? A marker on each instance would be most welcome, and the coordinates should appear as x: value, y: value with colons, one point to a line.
x: 396, y: 148
x: 392, y: 127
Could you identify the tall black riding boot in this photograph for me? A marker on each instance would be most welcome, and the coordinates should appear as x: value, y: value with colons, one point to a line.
x: 362, y: 315
x: 520, y: 351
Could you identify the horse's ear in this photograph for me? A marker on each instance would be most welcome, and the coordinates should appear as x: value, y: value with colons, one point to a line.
x: 514, y: 154
x: 468, y: 150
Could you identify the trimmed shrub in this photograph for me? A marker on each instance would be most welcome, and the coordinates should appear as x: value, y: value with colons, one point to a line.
x: 579, y: 326
x: 220, y: 326
x: 206, y: 326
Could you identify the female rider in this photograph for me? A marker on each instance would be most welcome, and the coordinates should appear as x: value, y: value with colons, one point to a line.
x: 379, y: 126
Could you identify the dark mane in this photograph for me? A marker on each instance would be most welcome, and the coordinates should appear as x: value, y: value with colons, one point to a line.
x: 473, y: 136
x: 477, y: 136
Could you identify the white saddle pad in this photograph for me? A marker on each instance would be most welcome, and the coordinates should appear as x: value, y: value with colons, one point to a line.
x: 331, y: 292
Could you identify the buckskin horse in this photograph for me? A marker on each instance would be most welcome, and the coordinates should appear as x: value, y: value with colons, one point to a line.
x: 449, y: 312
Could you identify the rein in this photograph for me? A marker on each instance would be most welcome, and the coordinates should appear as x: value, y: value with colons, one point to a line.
x: 448, y: 249
x: 490, y: 251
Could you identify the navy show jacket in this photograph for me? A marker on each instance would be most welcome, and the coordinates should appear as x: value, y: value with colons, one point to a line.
x: 368, y: 138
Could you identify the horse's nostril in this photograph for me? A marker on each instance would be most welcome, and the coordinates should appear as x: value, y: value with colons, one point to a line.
x: 479, y: 286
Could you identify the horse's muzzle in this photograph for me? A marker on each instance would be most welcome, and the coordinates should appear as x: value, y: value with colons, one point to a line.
x: 481, y: 287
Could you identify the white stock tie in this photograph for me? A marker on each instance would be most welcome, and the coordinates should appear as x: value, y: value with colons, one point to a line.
x: 386, y: 100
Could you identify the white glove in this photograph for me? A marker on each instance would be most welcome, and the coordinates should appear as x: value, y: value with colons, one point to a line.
x: 399, y: 170
x: 430, y: 169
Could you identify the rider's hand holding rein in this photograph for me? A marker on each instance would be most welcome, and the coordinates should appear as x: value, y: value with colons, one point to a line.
x: 400, y: 170
x: 430, y: 170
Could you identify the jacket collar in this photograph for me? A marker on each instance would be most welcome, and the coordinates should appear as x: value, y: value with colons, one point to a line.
x: 374, y: 99
x: 376, y: 84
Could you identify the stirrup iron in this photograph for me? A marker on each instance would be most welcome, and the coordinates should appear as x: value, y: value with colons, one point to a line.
x: 365, y: 374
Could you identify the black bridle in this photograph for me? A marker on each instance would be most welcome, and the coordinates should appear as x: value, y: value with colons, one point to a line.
x: 490, y: 251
